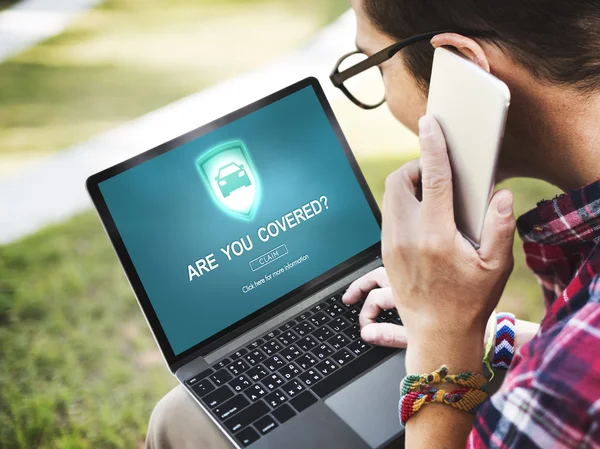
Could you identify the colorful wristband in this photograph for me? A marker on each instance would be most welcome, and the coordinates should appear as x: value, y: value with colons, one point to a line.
x: 416, y: 382
x: 466, y: 399
x: 504, y: 349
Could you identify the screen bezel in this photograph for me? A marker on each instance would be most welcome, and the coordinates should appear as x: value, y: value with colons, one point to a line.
x: 238, y: 328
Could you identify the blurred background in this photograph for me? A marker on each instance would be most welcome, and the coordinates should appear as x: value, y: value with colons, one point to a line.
x: 87, y: 83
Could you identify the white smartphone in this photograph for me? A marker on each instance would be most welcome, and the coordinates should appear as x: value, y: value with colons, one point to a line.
x: 471, y: 106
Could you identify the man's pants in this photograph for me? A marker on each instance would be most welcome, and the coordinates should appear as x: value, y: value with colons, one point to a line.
x: 177, y: 422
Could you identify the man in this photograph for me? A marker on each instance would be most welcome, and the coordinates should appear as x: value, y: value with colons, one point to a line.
x: 548, y: 53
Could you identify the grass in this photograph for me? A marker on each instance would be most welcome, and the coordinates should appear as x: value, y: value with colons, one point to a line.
x: 79, y: 366
x: 124, y: 59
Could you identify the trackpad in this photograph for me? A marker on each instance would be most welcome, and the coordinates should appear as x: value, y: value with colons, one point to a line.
x: 370, y: 404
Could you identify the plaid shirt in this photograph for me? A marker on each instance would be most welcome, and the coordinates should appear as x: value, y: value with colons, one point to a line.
x: 550, y: 397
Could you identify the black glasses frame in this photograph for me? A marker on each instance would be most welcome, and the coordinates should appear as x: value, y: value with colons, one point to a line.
x: 338, y: 78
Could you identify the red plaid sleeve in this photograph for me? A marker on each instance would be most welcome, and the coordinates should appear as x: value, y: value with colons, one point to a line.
x: 551, y: 395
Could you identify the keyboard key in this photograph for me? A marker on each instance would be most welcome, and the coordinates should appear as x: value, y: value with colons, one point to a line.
x: 275, y: 399
x: 287, y: 326
x: 289, y: 371
x: 247, y: 436
x: 246, y: 416
x: 287, y: 338
x: 271, y: 335
x: 200, y: 376
x: 310, y: 377
x: 290, y: 353
x: 319, y: 319
x: 339, y: 324
x: 322, y: 351
x: 255, y: 392
x: 304, y: 328
x: 218, y: 396
x: 306, y: 361
x: 356, y: 367
x: 238, y: 354
x: 275, y: 362
x: 203, y: 387
x: 293, y: 388
x: 271, y: 347
x: 338, y: 342
x: 222, y: 364
x: 323, y: 333
x: 265, y: 424
x: 283, y: 413
x: 238, y: 367
x: 331, y: 300
x: 257, y: 373
x: 318, y: 308
x: 335, y: 310
x: 326, y: 367
x: 352, y: 315
x: 307, y: 343
x: 304, y: 316
x: 231, y: 407
x: 255, y: 344
x: 254, y: 357
x: 273, y: 381
x: 221, y: 377
x: 353, y: 332
x: 359, y: 346
x: 303, y: 401
x: 342, y: 357
x: 240, y: 383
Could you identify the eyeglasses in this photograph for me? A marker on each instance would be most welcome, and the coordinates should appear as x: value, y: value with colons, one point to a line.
x: 367, y: 90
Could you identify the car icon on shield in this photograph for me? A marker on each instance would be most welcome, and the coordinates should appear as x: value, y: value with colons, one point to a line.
x: 232, y: 177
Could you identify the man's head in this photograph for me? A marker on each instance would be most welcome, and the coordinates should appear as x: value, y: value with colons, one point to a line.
x: 544, y: 49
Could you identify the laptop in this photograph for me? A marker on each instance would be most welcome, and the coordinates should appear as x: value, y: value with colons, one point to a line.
x: 239, y: 239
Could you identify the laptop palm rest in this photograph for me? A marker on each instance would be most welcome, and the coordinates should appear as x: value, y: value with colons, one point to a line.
x: 369, y: 405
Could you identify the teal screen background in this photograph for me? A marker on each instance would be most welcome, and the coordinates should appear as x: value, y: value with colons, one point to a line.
x: 167, y: 219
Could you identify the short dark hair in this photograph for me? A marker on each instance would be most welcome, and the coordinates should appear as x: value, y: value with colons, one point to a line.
x: 556, y: 40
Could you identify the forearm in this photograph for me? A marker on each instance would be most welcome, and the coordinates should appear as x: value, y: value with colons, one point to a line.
x: 439, y: 425
x: 524, y: 332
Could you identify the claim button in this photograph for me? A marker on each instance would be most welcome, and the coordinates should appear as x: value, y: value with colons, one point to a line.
x: 268, y: 257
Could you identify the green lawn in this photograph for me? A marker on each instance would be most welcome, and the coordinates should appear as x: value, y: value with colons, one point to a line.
x: 126, y: 58
x: 79, y: 366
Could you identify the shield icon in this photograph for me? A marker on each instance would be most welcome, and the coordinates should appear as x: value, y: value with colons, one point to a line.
x: 231, y: 178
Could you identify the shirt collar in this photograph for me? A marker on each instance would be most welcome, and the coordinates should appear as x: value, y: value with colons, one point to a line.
x: 571, y: 218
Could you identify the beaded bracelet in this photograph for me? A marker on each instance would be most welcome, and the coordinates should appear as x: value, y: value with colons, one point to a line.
x: 465, y: 399
x: 414, y: 382
x: 504, y: 349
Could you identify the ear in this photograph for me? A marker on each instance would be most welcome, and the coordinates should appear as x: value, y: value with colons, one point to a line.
x: 465, y: 45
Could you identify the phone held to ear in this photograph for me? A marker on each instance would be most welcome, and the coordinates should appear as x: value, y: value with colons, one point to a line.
x: 471, y: 106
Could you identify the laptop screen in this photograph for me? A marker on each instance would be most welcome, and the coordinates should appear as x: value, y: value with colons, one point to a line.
x: 229, y: 222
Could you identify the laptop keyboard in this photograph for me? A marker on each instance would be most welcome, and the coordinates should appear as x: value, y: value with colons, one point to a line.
x: 256, y: 389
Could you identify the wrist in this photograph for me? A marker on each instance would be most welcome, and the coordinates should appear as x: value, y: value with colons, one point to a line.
x: 459, y: 353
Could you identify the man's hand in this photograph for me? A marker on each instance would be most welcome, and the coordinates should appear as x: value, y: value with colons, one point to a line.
x: 375, y: 287
x: 443, y: 288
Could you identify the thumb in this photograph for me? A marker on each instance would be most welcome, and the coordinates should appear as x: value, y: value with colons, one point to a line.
x: 384, y: 334
x: 498, y: 229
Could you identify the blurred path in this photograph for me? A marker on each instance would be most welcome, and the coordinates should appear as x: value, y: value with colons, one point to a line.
x: 31, y: 21
x: 54, y: 189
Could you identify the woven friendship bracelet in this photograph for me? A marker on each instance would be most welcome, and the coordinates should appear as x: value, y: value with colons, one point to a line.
x: 504, y: 349
x: 415, y: 382
x: 465, y: 399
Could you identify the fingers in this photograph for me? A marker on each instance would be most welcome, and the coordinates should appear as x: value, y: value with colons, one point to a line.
x: 384, y: 334
x: 364, y: 284
x: 377, y: 300
x: 436, y: 178
x: 498, y: 229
